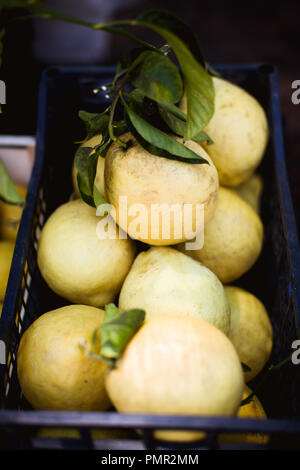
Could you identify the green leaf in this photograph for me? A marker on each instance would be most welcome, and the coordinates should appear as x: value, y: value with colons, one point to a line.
x: 128, y: 58
x: 176, y: 120
x: 157, y: 77
x: 203, y: 137
x: 211, y: 70
x: 118, y: 329
x: 111, y: 312
x: 120, y: 127
x: 95, y: 123
x: 198, y: 83
x: 167, y: 20
x: 8, y: 190
x: 176, y: 124
x: 99, y: 199
x: 81, y: 163
x: 167, y: 145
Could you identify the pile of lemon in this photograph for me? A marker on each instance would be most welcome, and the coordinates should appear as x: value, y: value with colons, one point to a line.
x: 199, y: 328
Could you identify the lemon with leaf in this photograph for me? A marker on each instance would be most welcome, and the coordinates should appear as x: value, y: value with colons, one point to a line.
x: 54, y: 370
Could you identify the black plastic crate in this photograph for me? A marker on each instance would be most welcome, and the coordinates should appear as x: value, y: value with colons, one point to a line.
x: 275, y: 278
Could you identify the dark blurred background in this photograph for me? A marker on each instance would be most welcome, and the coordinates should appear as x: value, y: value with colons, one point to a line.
x: 228, y: 31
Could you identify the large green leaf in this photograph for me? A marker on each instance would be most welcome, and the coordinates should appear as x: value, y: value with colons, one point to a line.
x: 8, y: 191
x: 95, y: 123
x: 118, y: 329
x: 198, y: 83
x: 176, y: 120
x: 170, y: 147
x: 157, y: 77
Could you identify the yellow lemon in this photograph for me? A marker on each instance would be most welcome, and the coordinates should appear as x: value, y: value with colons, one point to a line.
x: 253, y: 409
x: 73, y: 433
x: 177, y: 365
x: 239, y: 130
x: 164, y: 281
x: 150, y: 193
x: 77, y: 261
x: 6, y: 254
x: 232, y: 239
x: 251, y: 191
x: 54, y: 370
x: 251, y: 330
x: 10, y: 216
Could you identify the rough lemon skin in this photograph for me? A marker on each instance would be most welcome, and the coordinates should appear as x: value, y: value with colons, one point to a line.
x: 76, y: 263
x: 99, y: 178
x: 232, y: 239
x: 239, y: 129
x: 6, y: 255
x: 10, y: 216
x: 177, y: 365
x: 150, y: 180
x: 251, y: 330
x: 164, y: 281
x: 54, y: 371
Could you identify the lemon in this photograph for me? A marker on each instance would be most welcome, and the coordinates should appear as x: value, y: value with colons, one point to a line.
x: 54, y: 371
x: 251, y: 191
x: 177, y: 365
x: 159, y: 188
x: 232, y: 239
x: 239, y: 130
x: 73, y: 433
x: 253, y: 409
x: 10, y: 216
x: 251, y: 330
x: 164, y: 281
x: 6, y: 254
x: 99, y: 178
x: 76, y: 263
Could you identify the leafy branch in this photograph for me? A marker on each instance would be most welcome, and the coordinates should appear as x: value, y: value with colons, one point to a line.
x: 148, y: 87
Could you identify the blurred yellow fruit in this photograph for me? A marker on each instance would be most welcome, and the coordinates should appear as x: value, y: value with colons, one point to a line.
x: 73, y: 433
x: 76, y: 263
x: 6, y: 254
x: 232, y: 239
x: 239, y: 130
x: 177, y: 365
x: 154, y: 184
x: 54, y: 371
x: 251, y: 330
x: 253, y: 409
x: 164, y: 281
x: 99, y: 178
x: 10, y: 216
